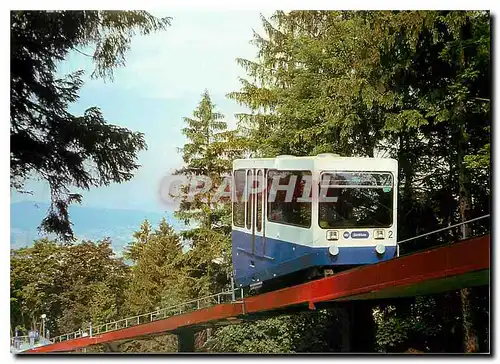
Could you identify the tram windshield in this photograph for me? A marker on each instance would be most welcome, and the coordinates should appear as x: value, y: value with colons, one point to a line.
x: 356, y: 200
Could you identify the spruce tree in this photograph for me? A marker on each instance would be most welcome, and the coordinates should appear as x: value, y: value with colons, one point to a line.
x: 208, y: 152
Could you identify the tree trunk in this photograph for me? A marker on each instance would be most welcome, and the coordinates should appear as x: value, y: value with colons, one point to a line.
x: 470, y: 339
x: 463, y: 191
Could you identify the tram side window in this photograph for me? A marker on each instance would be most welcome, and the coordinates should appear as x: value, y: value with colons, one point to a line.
x: 260, y: 179
x: 238, y: 201
x: 250, y: 200
x: 291, y: 210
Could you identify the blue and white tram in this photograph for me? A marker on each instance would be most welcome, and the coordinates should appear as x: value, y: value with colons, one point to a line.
x: 312, y: 215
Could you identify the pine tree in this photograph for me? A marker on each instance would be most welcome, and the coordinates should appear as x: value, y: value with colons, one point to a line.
x: 156, y: 278
x: 141, y: 238
x: 208, y: 152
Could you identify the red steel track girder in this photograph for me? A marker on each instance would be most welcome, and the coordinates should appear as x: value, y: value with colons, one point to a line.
x: 455, y: 259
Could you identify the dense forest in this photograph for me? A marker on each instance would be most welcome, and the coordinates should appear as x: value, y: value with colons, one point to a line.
x: 410, y: 85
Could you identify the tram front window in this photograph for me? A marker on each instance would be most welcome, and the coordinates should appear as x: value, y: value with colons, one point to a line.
x: 356, y: 200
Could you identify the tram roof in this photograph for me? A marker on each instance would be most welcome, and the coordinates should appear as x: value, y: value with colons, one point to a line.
x: 319, y: 162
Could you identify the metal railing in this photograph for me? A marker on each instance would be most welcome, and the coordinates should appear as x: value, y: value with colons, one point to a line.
x: 160, y: 314
x: 444, y: 229
x: 445, y: 235
x: 71, y: 335
x: 22, y: 343
x: 18, y: 340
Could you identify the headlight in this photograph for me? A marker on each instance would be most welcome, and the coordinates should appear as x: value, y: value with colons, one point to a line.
x: 379, y: 234
x: 332, y: 235
x: 380, y: 249
x: 333, y: 250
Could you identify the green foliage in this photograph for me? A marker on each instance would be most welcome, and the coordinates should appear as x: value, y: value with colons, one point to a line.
x: 209, y: 152
x: 49, y: 142
x: 33, y: 282
x: 428, y: 324
x: 481, y: 161
x: 72, y: 284
x: 301, y: 332
x: 158, y: 344
x: 156, y: 281
x: 271, y: 336
x: 156, y: 277
x: 141, y: 237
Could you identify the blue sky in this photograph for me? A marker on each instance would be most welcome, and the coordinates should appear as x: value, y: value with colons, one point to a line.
x: 162, y: 82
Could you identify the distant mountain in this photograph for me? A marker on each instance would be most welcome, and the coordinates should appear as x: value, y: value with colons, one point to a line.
x: 88, y: 223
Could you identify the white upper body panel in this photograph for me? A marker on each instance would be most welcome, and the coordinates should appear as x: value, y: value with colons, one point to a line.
x: 319, y: 163
x: 314, y: 236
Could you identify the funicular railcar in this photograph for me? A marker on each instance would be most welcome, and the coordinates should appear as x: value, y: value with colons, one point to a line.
x: 297, y: 218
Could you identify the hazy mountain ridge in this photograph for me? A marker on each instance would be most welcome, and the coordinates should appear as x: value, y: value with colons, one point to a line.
x: 89, y: 223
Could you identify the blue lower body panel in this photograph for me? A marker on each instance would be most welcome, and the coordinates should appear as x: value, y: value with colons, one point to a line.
x: 271, y: 258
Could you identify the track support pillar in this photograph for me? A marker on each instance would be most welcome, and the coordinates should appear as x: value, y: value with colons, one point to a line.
x: 344, y: 328
x: 362, y: 327
x: 185, y: 341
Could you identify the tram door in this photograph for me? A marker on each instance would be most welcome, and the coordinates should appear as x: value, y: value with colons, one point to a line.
x: 255, y: 216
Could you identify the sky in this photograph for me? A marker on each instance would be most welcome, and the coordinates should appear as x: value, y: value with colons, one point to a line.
x: 163, y: 80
